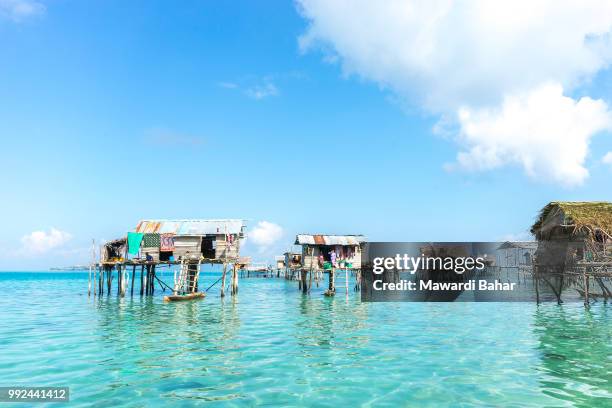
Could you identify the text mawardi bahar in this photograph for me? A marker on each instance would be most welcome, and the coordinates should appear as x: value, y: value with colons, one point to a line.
x: 412, y: 264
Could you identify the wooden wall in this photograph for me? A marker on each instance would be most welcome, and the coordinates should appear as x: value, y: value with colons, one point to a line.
x: 308, y: 260
x: 191, y: 246
x: 223, y: 250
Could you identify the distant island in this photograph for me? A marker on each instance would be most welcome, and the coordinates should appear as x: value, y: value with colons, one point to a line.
x: 70, y: 268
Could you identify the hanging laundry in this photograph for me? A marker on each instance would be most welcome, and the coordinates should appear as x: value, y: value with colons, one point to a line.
x: 166, y: 242
x: 151, y: 241
x: 134, y: 239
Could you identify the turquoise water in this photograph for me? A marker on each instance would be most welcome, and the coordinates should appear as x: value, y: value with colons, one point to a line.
x: 272, y: 346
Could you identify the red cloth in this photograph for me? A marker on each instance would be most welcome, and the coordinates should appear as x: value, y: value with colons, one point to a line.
x: 166, y: 243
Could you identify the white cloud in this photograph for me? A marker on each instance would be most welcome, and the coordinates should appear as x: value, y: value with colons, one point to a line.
x: 445, y: 55
x: 544, y: 132
x: 607, y: 159
x: 262, y: 91
x: 39, y: 242
x: 255, y: 87
x: 265, y: 234
x: 17, y: 10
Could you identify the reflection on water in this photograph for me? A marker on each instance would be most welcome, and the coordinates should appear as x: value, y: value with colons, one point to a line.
x: 576, y: 353
x: 273, y: 346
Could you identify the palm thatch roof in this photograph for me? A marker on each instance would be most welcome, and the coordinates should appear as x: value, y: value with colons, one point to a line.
x: 578, y: 216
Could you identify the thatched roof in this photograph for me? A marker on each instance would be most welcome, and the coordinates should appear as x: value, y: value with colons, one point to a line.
x: 586, y: 216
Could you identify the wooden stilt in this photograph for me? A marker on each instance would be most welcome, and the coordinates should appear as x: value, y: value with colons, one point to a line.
x: 234, y: 280
x: 119, y: 280
x: 304, y: 283
x: 125, y: 279
x: 133, y: 278
x: 586, y: 290
x: 109, y: 280
x: 331, y: 290
x: 223, y: 280
x: 146, y: 281
x: 346, y: 279
x: 142, y: 280
x: 310, y: 279
x: 152, y: 279
x: 537, y: 289
x: 100, y: 281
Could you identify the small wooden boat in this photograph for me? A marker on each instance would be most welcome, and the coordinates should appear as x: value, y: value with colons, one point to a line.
x: 188, y: 296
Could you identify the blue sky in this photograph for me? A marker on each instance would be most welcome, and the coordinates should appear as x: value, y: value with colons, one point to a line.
x: 114, y: 111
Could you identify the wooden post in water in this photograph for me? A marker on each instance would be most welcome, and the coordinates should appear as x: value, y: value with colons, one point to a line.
x: 142, y: 280
x: 146, y: 281
x: 537, y: 288
x: 100, y: 281
x: 94, y: 280
x: 109, y: 279
x: 125, y: 279
x: 332, y: 283
x: 223, y: 280
x: 152, y: 279
x: 119, y: 280
x: 234, y: 280
x: 133, y: 277
x: 304, y: 282
x: 586, y: 289
x: 310, y: 278
x: 346, y: 278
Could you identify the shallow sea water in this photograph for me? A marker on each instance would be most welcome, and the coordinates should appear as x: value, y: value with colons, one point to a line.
x: 273, y: 346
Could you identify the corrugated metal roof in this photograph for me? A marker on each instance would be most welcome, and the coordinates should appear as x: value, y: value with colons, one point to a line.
x: 191, y: 227
x: 318, y: 239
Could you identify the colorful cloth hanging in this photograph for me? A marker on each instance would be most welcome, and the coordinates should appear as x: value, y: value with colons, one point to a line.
x: 151, y: 241
x: 166, y: 242
x: 134, y: 239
